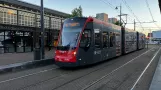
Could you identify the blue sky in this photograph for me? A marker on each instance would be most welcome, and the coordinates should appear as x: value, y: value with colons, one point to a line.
x: 91, y: 7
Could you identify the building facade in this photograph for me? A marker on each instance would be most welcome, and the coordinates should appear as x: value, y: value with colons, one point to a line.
x: 154, y: 37
x: 102, y: 16
x: 20, y: 26
x: 157, y: 36
x: 112, y: 20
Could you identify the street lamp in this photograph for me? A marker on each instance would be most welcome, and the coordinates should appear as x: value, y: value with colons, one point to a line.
x: 126, y: 17
x: 120, y: 12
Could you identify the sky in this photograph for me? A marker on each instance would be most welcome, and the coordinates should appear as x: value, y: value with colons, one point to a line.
x: 92, y: 7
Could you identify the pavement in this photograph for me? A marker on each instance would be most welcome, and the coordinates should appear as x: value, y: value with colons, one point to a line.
x: 14, y: 62
x: 11, y: 58
x: 121, y: 73
x: 156, y: 81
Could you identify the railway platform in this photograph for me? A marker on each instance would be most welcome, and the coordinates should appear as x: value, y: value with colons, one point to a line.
x: 10, y: 62
x: 11, y: 58
x: 133, y: 71
x: 156, y: 81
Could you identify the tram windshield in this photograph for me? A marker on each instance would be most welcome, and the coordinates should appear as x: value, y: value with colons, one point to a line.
x: 70, y: 33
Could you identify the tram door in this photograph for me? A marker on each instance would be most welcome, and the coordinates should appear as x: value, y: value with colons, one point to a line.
x: 112, y: 45
x: 85, y: 49
x: 118, y: 43
x: 97, y: 46
x: 105, y: 43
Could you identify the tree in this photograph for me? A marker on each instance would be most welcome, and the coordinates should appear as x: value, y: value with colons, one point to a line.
x: 76, y: 12
x: 118, y: 23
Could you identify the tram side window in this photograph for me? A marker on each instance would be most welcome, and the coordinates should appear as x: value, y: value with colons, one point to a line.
x: 86, y: 38
x: 97, y: 40
x: 118, y: 39
x: 105, y: 39
x: 112, y: 39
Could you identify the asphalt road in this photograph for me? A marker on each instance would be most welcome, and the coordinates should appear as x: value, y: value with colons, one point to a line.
x: 116, y: 74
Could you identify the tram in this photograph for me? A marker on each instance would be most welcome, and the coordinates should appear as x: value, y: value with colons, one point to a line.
x: 83, y: 41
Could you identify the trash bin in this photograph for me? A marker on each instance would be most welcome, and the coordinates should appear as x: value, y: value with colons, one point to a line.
x: 37, y: 54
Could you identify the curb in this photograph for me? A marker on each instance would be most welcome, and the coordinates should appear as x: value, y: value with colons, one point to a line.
x: 25, y: 65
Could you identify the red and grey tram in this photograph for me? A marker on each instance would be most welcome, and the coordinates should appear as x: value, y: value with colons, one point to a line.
x: 84, y: 41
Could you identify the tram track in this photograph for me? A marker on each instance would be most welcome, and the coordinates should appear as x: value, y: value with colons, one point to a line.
x: 44, y: 71
x: 27, y: 75
x: 104, y: 75
x: 101, y: 68
x: 23, y: 77
x: 90, y: 70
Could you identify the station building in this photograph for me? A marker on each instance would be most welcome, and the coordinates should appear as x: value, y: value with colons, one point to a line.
x: 20, y: 26
x: 155, y: 37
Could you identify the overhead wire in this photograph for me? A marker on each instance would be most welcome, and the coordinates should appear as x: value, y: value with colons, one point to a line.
x: 108, y: 4
x: 151, y: 13
x: 129, y: 8
x: 112, y: 6
x: 149, y: 10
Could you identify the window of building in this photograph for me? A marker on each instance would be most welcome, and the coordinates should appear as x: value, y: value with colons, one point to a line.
x: 46, y: 22
x: 38, y: 20
x: 32, y: 20
x: 1, y: 14
x: 8, y: 16
x: 59, y: 23
x: 21, y: 18
x: 4, y: 17
x: 56, y: 24
x: 52, y: 23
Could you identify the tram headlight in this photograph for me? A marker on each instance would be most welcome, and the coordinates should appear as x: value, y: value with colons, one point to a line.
x: 74, y: 53
x: 56, y: 52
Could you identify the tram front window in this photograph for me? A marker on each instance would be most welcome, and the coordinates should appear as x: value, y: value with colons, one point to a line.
x: 70, y: 34
x: 69, y: 38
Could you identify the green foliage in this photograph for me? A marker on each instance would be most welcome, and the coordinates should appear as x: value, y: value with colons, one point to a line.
x: 118, y: 23
x: 76, y: 12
